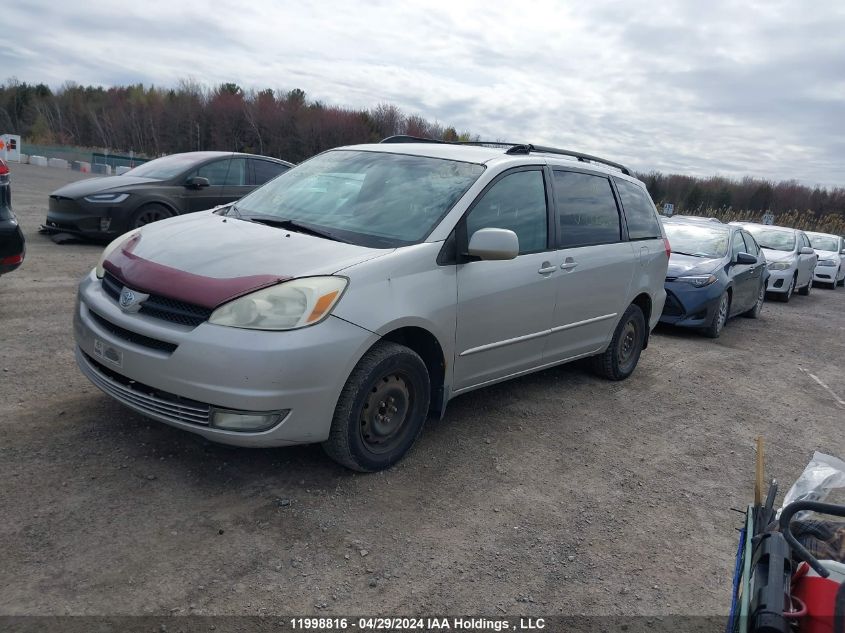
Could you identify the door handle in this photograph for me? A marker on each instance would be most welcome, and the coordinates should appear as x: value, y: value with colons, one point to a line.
x: 569, y: 264
x: 547, y: 268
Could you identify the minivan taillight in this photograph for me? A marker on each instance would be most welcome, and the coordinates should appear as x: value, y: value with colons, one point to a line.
x: 4, y: 168
x: 11, y: 260
x: 668, y: 248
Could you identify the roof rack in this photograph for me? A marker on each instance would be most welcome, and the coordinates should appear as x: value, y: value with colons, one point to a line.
x: 514, y: 148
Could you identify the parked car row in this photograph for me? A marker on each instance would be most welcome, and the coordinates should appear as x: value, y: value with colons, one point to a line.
x: 351, y: 298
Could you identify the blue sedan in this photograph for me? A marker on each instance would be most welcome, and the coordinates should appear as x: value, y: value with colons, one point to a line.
x: 716, y: 271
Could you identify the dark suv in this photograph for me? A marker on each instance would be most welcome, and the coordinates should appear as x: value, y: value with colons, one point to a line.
x: 12, y: 244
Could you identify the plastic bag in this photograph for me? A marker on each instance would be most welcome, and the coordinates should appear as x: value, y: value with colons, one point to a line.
x: 823, y: 475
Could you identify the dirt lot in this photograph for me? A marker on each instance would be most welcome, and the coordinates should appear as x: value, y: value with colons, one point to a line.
x: 555, y: 493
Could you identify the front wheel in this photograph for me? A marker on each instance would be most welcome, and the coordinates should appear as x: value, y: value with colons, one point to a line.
x: 381, y: 409
x: 786, y: 296
x: 720, y: 317
x: 805, y: 291
x: 620, y: 358
x: 148, y: 214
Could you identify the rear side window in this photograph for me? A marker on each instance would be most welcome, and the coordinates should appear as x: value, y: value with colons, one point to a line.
x: 264, y: 170
x: 516, y: 202
x: 639, y: 211
x: 586, y: 210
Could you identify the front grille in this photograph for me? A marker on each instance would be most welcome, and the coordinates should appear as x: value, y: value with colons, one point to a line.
x: 160, y: 307
x: 133, y: 337
x: 147, y: 400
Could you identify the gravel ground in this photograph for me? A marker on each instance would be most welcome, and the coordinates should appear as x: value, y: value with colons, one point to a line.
x: 558, y: 493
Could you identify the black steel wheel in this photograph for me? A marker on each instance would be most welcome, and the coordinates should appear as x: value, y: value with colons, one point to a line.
x: 381, y: 410
x: 620, y: 358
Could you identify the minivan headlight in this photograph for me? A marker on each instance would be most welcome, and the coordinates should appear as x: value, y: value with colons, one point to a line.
x: 286, y: 306
x: 108, y: 250
x: 779, y: 266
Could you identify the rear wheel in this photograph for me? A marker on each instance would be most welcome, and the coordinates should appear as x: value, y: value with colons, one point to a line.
x: 148, y: 214
x: 620, y: 358
x: 381, y: 409
x: 754, y: 312
x: 720, y: 317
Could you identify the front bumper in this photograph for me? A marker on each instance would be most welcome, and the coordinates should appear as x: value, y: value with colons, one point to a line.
x: 688, y: 306
x: 826, y: 274
x: 300, y: 371
x: 779, y: 280
x: 67, y: 215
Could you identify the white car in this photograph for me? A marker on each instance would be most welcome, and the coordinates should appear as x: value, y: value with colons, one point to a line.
x: 789, y: 256
x: 831, y: 251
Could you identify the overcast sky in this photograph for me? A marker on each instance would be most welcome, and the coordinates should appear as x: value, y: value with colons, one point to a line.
x: 694, y: 87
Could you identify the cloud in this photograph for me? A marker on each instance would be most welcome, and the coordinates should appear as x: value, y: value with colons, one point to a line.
x: 734, y: 88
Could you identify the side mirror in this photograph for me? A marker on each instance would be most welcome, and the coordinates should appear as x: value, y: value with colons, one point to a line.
x: 494, y: 244
x: 746, y: 259
x: 842, y: 252
x: 806, y: 250
x: 197, y: 182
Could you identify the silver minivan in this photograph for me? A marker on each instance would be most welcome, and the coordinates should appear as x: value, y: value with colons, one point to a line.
x: 352, y: 297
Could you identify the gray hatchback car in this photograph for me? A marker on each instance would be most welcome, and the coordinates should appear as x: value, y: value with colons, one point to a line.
x: 352, y: 297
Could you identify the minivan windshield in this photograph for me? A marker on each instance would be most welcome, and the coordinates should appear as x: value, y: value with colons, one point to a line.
x: 823, y: 242
x: 772, y: 239
x: 164, y: 168
x: 376, y: 199
x: 697, y: 239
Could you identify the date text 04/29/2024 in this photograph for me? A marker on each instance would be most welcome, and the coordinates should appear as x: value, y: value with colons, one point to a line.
x: 417, y: 624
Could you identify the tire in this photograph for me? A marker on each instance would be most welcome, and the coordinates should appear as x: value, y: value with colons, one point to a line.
x: 620, y: 358
x: 805, y: 291
x: 754, y: 312
x: 720, y: 317
x: 786, y: 296
x: 148, y: 214
x: 389, y: 379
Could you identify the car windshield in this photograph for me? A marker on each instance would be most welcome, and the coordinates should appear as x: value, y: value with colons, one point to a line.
x: 164, y: 168
x: 377, y: 199
x: 823, y: 242
x: 772, y: 239
x: 697, y: 239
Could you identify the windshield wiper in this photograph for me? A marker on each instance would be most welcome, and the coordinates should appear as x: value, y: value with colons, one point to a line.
x: 293, y: 225
x: 692, y: 254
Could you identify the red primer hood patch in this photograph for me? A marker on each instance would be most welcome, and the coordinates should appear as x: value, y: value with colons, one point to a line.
x: 148, y: 276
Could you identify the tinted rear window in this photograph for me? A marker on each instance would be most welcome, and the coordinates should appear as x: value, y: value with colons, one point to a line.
x: 586, y: 209
x: 264, y: 170
x: 639, y: 211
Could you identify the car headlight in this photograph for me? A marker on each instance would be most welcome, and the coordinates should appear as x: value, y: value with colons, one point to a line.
x: 779, y: 266
x: 286, y: 306
x: 699, y: 281
x: 108, y: 250
x: 112, y: 198
x: 827, y: 262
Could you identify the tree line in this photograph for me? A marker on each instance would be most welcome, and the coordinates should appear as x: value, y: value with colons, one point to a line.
x: 153, y: 121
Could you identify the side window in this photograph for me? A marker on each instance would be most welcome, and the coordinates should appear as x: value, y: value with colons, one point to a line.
x: 753, y: 249
x: 264, y: 170
x: 639, y: 211
x: 737, y: 245
x: 586, y: 210
x: 516, y: 202
x: 227, y: 172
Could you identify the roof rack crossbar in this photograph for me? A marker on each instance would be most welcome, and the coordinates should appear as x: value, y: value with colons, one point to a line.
x: 514, y: 148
